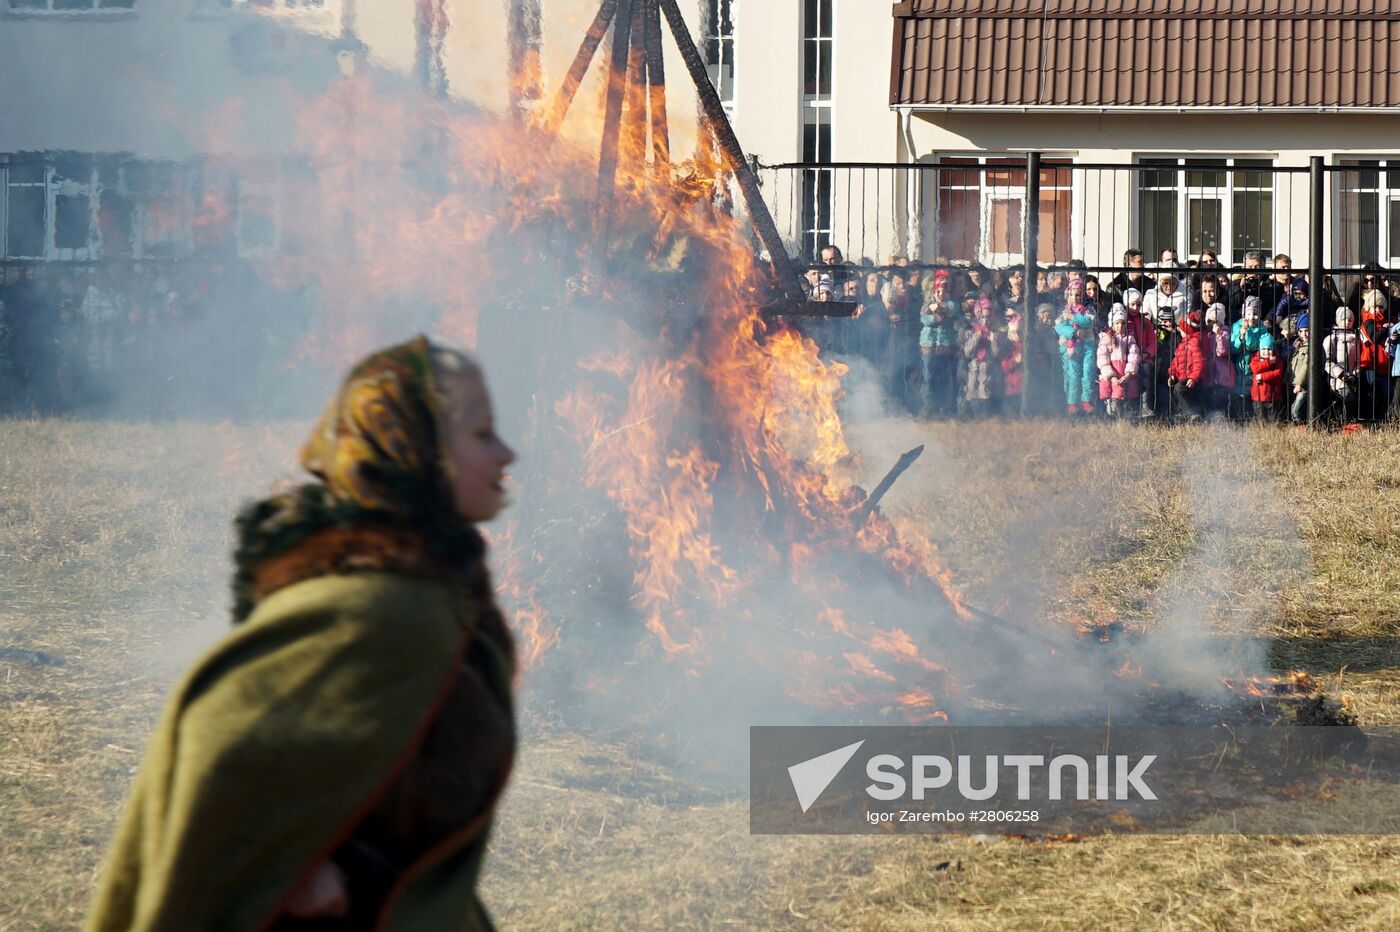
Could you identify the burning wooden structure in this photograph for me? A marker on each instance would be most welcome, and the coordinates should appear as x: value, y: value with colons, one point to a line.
x: 636, y: 124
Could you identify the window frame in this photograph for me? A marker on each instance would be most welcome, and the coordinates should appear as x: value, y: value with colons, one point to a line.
x: 13, y: 9
x: 719, y: 36
x: 1387, y: 196
x: 818, y: 115
x: 1235, y: 175
x: 1057, y: 178
x: 104, y: 174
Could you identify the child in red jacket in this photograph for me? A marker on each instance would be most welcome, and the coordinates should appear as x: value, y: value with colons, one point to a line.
x: 1266, y: 381
x: 1188, y: 368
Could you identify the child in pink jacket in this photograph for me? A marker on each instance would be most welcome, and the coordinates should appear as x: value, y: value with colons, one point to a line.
x: 1118, y: 365
x: 1220, y: 368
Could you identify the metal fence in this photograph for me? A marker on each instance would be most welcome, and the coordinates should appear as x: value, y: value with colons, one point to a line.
x: 1250, y: 223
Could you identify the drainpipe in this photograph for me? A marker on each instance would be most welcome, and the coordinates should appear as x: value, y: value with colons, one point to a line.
x: 913, y: 227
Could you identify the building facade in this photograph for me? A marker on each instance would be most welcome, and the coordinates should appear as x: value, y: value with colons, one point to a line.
x: 1159, y: 124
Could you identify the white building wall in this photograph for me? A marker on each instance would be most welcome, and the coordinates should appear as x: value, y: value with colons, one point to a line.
x: 1106, y: 202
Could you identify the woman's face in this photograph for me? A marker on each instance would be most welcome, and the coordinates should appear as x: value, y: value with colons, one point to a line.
x: 476, y: 457
x: 1091, y: 290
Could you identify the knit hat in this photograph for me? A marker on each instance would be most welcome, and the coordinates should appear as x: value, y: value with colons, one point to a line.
x: 940, y: 277
x: 1298, y: 284
x: 1266, y: 342
x: 1117, y: 314
x: 1075, y: 283
x: 1213, y: 314
x: 1190, y: 322
x: 1253, y: 306
x: 1131, y: 295
x: 1346, y: 317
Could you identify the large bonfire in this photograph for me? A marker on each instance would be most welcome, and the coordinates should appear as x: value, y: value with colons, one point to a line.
x: 689, y: 539
x: 671, y: 421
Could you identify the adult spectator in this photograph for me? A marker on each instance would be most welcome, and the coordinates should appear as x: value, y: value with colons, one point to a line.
x: 1373, y: 376
x: 1119, y: 285
x: 1205, y: 262
x: 1293, y: 303
x: 902, y: 368
x: 1206, y: 294
x: 979, y: 278
x: 1165, y: 303
x: 873, y: 323
x: 1254, y: 284
x: 1012, y: 293
x: 1097, y: 302
x: 1371, y: 280
x: 1277, y: 287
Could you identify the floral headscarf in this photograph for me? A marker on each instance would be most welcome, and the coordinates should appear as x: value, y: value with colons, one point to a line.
x: 379, y: 462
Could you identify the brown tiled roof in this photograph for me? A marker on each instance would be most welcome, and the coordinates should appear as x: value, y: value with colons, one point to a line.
x: 1253, y: 54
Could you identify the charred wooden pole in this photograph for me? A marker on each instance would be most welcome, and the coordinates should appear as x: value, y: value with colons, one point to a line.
x: 523, y: 39
x: 634, y: 127
x: 873, y: 501
x: 612, y: 114
x: 713, y: 109
x: 430, y: 30
x: 573, y: 79
x: 656, y: 87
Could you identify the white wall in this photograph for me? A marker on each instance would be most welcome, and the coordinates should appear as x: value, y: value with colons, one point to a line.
x: 163, y: 82
x: 1105, y: 201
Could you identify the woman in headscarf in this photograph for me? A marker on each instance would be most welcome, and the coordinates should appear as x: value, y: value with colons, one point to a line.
x: 334, y: 762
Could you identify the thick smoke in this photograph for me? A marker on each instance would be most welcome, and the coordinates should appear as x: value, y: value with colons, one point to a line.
x: 681, y: 522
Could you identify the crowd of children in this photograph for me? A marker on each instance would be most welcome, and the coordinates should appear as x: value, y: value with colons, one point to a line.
x: 1187, y: 345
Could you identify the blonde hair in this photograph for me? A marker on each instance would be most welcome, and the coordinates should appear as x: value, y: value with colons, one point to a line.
x: 448, y: 360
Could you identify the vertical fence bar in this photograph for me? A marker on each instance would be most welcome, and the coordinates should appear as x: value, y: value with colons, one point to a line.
x: 1316, y: 304
x: 1030, y: 226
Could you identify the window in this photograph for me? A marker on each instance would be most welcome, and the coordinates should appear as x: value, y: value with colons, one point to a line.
x: 719, y: 50
x: 979, y: 211
x: 49, y: 208
x: 1194, y: 205
x: 61, y: 206
x: 214, y: 6
x: 72, y: 6
x: 816, y: 124
x: 1367, y: 213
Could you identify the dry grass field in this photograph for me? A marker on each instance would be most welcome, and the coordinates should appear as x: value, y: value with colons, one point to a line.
x: 113, y: 563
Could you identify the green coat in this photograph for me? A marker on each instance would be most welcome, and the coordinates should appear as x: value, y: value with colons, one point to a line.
x: 278, y: 742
